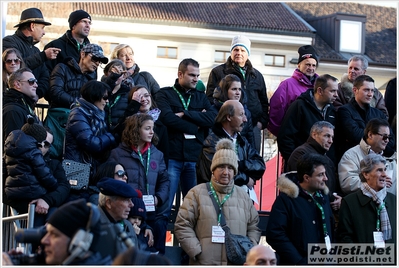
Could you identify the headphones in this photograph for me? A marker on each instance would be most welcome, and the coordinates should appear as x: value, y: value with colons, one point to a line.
x: 81, y: 241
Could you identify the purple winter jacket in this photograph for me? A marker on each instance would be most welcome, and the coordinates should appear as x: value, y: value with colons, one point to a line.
x: 285, y: 94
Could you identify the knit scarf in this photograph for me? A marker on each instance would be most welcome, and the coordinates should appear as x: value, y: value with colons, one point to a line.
x: 154, y: 113
x: 95, y: 115
x: 379, y: 197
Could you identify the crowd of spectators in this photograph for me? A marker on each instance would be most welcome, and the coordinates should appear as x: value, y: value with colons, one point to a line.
x: 142, y: 142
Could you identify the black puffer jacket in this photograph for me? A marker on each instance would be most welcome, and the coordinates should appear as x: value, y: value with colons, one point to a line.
x: 16, y: 108
x: 54, y: 198
x: 33, y: 58
x: 250, y: 164
x: 66, y: 81
x: 69, y: 48
x: 28, y: 175
x: 253, y: 87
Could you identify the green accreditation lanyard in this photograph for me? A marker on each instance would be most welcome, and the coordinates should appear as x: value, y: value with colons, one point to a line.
x: 323, y: 217
x: 220, y: 204
x: 110, y: 106
x: 378, y: 216
x: 145, y: 166
x: 30, y: 109
x: 185, y: 105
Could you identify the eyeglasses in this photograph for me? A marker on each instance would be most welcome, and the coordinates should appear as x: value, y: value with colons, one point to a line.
x: 16, y: 61
x: 30, y: 81
x: 46, y: 144
x: 105, y: 97
x: 384, y: 137
x: 120, y: 173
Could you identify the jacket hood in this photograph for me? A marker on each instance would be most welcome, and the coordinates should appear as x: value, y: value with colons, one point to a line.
x: 288, y: 183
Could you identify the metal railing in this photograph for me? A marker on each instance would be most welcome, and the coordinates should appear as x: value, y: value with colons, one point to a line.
x: 12, y: 221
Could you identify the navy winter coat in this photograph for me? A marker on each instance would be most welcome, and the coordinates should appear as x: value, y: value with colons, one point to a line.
x: 28, y: 175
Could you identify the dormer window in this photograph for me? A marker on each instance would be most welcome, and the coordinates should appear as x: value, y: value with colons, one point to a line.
x: 351, y: 36
x: 345, y: 33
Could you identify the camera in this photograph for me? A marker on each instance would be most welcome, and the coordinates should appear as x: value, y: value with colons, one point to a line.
x: 27, y: 259
x: 31, y: 236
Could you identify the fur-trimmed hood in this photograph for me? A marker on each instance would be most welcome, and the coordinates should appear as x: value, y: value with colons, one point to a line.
x: 288, y: 183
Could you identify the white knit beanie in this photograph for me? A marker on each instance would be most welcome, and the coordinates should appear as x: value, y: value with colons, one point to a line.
x: 225, y: 154
x: 242, y: 41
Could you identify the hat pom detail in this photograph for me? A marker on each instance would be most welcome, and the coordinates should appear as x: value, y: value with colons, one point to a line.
x: 224, y: 144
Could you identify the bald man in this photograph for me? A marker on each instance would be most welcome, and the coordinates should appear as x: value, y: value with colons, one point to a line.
x: 261, y: 255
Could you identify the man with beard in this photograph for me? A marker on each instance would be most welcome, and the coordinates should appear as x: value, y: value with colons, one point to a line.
x: 301, y: 214
x: 228, y: 124
x: 73, y: 40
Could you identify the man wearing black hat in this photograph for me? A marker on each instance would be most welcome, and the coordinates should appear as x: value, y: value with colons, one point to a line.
x: 302, y: 79
x: 73, y: 235
x: 115, y: 203
x: 30, y: 31
x: 73, y: 40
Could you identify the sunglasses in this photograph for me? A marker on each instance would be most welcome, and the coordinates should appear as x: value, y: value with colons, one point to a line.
x: 120, y: 173
x: 105, y: 97
x: 9, y: 61
x: 95, y: 59
x: 30, y: 81
x: 44, y: 144
x: 385, y: 137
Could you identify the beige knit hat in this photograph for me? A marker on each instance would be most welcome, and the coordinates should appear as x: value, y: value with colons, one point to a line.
x: 225, y: 154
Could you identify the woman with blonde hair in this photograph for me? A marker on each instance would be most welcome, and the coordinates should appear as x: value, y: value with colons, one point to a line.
x: 125, y: 53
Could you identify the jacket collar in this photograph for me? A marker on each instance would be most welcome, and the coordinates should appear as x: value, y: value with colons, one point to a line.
x: 217, y: 129
x: 27, y: 39
x: 288, y: 183
x: 315, y: 145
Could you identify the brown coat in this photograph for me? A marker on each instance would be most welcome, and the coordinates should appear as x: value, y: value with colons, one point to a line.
x: 197, y: 215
